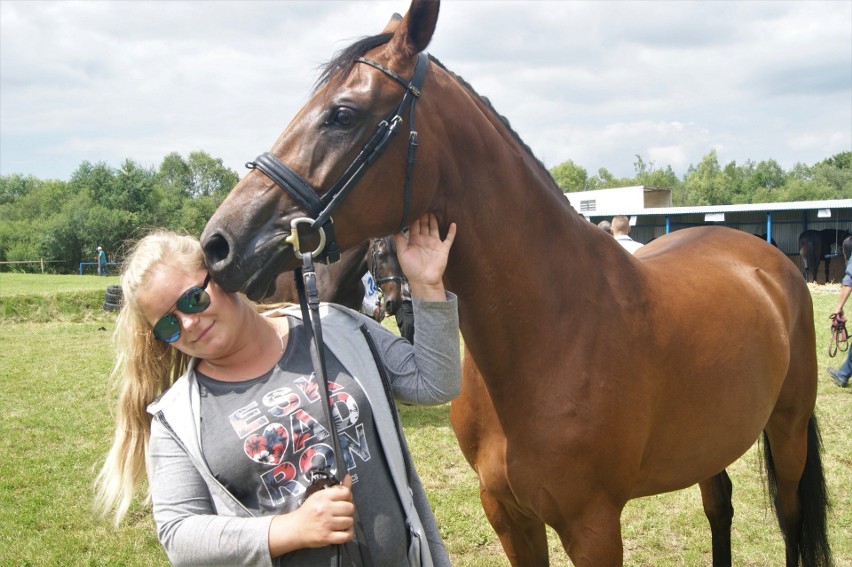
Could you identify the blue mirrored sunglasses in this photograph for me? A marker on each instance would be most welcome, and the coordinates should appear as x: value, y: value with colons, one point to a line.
x: 193, y: 300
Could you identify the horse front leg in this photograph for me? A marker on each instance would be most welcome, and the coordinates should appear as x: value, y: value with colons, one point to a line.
x: 524, y: 538
x: 592, y: 538
x: 716, y: 498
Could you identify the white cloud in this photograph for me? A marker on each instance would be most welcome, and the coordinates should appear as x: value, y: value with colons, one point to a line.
x: 594, y: 82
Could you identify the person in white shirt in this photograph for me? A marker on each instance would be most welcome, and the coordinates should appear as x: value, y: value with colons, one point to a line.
x: 621, y: 232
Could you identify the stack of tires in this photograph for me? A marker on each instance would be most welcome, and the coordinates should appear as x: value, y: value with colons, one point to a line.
x: 113, y: 298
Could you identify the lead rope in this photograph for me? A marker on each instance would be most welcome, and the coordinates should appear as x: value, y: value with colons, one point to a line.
x: 839, y: 337
x: 323, y: 477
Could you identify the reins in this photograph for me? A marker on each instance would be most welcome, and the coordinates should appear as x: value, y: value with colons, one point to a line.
x: 324, y: 477
x: 839, y: 340
x: 320, y: 208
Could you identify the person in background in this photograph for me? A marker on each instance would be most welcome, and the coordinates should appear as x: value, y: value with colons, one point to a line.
x: 621, y: 232
x: 841, y: 375
x: 605, y: 226
x: 102, y: 262
x: 219, y: 407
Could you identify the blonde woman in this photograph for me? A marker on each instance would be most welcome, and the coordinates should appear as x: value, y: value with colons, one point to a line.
x: 218, y: 406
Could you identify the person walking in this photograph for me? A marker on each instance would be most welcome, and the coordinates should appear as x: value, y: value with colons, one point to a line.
x: 102, y: 262
x: 841, y: 375
x: 221, y: 407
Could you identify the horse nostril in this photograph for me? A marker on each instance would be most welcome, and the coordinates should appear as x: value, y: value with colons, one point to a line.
x: 390, y: 307
x: 216, y: 251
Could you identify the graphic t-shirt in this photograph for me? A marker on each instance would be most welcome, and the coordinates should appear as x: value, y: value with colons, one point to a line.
x: 262, y: 437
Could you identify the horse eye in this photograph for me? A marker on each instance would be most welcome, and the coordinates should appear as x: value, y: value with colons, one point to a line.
x: 344, y: 116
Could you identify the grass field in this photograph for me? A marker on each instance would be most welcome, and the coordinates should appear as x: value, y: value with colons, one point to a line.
x: 55, y: 430
x: 14, y: 284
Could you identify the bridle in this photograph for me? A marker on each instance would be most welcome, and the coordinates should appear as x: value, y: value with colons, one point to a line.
x: 320, y: 208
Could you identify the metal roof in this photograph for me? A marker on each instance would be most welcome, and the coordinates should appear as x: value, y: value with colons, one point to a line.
x: 749, y: 208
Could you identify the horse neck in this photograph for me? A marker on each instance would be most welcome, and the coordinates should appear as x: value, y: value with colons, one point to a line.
x: 521, y: 252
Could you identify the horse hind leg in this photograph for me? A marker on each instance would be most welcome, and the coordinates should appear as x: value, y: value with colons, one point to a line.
x: 797, y: 487
x: 716, y: 498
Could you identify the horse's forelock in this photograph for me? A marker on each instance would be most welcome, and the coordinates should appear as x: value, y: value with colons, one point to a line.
x: 345, y: 58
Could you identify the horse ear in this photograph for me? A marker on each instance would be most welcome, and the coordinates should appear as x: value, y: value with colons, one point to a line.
x: 415, y: 31
x: 392, y: 24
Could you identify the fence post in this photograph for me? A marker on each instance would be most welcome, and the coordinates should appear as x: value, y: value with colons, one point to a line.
x: 42, y: 265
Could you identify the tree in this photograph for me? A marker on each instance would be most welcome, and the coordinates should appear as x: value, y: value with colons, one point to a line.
x: 174, y: 174
x: 209, y: 176
x: 570, y: 177
x: 603, y: 180
x: 94, y: 179
x: 705, y: 184
x: 649, y: 176
x: 14, y: 186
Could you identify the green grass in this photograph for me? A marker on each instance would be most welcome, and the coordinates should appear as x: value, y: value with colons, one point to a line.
x: 13, y: 284
x: 55, y: 430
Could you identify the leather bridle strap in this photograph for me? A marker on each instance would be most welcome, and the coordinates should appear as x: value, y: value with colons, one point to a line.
x: 321, y: 208
x: 357, y: 553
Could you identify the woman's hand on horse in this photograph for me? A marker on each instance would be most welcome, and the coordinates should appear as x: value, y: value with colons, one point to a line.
x: 423, y: 256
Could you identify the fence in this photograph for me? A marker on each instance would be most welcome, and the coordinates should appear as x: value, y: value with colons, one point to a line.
x: 41, y: 262
x: 95, y: 264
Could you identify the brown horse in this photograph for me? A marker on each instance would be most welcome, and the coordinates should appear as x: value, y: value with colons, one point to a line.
x: 562, y: 425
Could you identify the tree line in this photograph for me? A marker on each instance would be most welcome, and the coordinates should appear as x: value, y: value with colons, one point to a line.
x: 710, y: 183
x: 99, y: 205
x: 105, y: 206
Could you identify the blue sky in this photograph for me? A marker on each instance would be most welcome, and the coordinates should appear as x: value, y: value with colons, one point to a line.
x: 593, y: 82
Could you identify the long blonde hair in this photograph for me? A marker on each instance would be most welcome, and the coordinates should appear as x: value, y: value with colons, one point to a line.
x: 144, y: 368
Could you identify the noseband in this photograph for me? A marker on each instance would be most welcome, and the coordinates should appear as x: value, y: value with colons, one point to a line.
x: 320, y: 208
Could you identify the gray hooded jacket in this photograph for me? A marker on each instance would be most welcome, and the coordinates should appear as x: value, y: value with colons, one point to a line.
x: 200, y: 523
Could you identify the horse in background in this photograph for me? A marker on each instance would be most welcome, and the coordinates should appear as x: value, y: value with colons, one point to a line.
x: 816, y: 246
x: 763, y: 237
x: 337, y: 283
x: 384, y: 265
x: 342, y: 282
x: 575, y: 425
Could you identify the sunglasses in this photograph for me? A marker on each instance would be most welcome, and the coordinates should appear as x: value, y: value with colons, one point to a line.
x: 193, y: 300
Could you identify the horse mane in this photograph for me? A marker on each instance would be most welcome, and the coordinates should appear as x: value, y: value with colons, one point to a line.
x: 345, y: 59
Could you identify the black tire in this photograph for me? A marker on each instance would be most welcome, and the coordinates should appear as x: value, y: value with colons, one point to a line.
x: 114, y: 299
x: 111, y: 307
x: 114, y: 289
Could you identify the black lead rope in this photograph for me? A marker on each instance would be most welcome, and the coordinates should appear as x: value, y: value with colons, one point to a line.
x: 323, y: 477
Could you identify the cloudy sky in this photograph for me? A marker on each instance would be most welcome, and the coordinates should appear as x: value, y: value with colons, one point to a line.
x: 593, y: 82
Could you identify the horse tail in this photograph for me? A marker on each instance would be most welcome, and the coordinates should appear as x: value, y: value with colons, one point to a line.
x: 814, y: 549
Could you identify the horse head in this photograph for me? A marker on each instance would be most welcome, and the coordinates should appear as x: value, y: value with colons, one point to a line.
x: 384, y: 265
x: 320, y: 164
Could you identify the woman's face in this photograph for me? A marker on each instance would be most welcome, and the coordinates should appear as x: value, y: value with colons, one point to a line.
x: 206, y: 334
